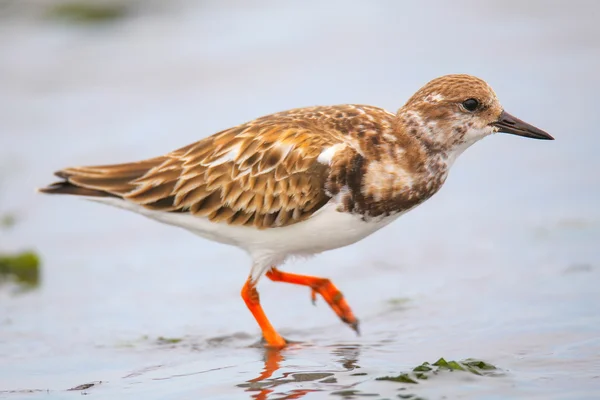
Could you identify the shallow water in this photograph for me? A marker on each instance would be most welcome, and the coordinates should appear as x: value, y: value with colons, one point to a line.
x: 502, y: 265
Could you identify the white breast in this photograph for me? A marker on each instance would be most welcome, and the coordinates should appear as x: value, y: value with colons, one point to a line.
x: 327, y: 229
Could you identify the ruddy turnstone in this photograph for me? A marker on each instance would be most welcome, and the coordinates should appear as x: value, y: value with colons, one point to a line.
x: 306, y: 180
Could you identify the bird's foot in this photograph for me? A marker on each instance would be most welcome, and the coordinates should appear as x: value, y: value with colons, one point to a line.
x: 332, y: 295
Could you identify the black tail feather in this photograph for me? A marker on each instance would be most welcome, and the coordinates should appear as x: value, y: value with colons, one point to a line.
x: 65, y: 187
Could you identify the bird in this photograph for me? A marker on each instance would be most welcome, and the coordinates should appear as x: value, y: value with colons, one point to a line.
x: 306, y: 180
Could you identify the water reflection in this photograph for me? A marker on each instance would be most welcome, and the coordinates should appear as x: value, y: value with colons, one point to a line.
x: 272, y: 359
x: 264, y: 386
x: 347, y: 356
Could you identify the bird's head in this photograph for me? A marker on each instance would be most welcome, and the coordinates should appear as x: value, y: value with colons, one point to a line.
x: 452, y: 112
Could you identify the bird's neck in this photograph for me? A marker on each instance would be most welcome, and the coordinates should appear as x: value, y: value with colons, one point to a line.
x: 436, y: 143
x: 415, y: 137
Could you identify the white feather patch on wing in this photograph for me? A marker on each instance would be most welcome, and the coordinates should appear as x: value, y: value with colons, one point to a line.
x: 229, y: 156
x: 327, y: 155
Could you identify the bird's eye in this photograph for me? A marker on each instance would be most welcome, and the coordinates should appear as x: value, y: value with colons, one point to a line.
x: 470, y: 104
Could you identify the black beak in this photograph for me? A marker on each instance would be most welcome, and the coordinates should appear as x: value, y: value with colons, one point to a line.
x: 509, y: 124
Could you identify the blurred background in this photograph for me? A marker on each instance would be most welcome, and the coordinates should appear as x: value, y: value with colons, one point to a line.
x: 501, y: 265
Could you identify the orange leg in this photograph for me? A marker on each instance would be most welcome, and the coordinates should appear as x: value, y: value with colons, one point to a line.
x: 325, y: 288
x: 250, y: 296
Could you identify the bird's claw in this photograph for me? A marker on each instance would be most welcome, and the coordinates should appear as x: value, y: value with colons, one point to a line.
x: 313, y: 297
x: 354, y: 325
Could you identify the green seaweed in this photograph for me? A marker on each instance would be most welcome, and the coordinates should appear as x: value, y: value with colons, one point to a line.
x: 87, y: 11
x: 451, y: 365
x: 410, y: 396
x: 23, y: 268
x: 7, y: 220
x: 166, y: 340
x: 425, y: 367
x: 398, y: 301
x: 352, y: 393
x: 85, y: 386
x: 426, y: 370
x: 478, y: 367
x: 402, y: 378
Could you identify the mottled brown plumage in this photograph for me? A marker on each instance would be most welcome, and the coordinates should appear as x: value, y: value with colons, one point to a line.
x: 265, y: 173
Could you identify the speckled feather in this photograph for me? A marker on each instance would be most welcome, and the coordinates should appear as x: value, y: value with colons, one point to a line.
x: 267, y: 173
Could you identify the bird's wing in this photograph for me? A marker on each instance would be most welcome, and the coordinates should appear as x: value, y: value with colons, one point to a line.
x: 266, y: 173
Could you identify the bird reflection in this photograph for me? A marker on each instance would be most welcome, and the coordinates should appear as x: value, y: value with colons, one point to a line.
x: 264, y: 386
x: 348, y: 356
x: 272, y: 359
